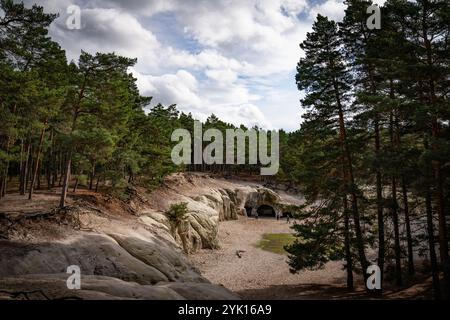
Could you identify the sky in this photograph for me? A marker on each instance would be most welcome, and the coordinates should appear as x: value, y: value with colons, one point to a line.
x: 234, y: 58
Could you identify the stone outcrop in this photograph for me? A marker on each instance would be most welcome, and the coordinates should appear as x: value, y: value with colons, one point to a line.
x: 254, y: 197
x: 53, y: 286
x: 131, y: 254
x: 112, y: 266
x: 209, y: 200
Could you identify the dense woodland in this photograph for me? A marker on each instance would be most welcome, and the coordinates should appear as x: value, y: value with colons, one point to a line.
x: 373, y: 152
x: 371, y: 155
x: 70, y: 124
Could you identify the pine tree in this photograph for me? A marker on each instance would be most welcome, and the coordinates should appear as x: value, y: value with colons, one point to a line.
x: 324, y: 76
x: 94, y: 77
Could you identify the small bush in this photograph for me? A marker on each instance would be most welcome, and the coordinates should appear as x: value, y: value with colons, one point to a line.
x: 177, y: 212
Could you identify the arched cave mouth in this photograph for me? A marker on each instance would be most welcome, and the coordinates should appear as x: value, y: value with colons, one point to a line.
x: 266, y: 211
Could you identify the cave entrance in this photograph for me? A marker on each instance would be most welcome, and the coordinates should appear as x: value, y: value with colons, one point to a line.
x: 248, y: 211
x: 266, y: 211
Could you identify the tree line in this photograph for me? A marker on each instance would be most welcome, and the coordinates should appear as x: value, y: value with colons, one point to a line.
x: 81, y: 122
x: 65, y: 124
x: 372, y: 155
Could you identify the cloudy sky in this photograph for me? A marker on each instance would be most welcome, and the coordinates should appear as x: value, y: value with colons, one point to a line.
x: 233, y: 58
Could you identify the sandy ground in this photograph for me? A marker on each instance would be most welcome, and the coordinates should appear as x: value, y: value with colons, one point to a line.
x: 261, y: 274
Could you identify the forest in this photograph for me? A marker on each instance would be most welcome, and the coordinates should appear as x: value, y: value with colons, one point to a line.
x: 371, y: 155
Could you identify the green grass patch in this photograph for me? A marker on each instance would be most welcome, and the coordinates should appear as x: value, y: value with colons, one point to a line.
x: 275, y: 242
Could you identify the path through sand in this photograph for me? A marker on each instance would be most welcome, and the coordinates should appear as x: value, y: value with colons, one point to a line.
x: 261, y: 274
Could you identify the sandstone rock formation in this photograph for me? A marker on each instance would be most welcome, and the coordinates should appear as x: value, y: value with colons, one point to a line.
x: 210, y: 200
x: 131, y: 254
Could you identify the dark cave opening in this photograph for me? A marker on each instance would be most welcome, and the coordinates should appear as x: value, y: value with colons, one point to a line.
x: 266, y: 211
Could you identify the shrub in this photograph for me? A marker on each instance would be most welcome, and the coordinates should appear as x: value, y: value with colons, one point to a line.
x: 177, y: 212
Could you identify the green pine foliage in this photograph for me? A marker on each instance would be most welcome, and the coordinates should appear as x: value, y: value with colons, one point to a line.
x: 393, y: 88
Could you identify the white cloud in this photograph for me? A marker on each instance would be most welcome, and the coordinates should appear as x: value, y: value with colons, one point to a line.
x: 181, y: 88
x: 379, y: 2
x: 334, y: 9
x: 108, y: 30
x: 203, y: 99
x: 233, y: 47
x: 222, y: 76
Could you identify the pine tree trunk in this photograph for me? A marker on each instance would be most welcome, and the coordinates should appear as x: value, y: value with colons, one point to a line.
x: 430, y: 230
x: 96, y: 185
x: 351, y: 186
x: 37, y: 162
x: 348, y: 254
x: 65, y: 186
x: 91, y: 176
x: 48, y: 175
x: 397, y: 248
x: 378, y: 177
x: 30, y: 169
x: 394, y: 209
x: 75, y: 187
x: 433, y: 258
x: 443, y: 240
x: 1, y: 187
x: 21, y: 162
x: 24, y: 171
x: 61, y: 169
x: 6, y: 171
x: 62, y: 202
x: 379, y: 192
x: 5, y: 180
x: 411, y: 269
x: 50, y: 160
x: 38, y: 185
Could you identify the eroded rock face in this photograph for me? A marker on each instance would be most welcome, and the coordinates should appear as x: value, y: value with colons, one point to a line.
x: 127, y: 258
x: 112, y: 267
x: 53, y: 286
x: 208, y: 201
x: 214, y: 204
x: 255, y: 197
x: 131, y: 256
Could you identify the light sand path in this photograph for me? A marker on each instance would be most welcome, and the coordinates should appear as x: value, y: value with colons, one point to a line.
x: 261, y: 274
